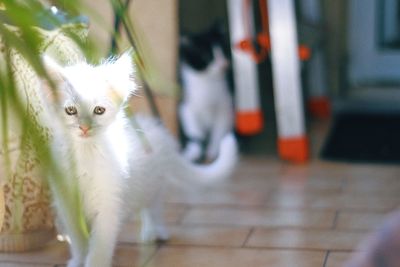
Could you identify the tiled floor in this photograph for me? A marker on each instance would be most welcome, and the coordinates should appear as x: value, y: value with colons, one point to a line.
x: 270, y: 214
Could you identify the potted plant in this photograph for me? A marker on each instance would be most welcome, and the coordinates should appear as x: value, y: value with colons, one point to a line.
x: 27, y: 30
x: 26, y: 215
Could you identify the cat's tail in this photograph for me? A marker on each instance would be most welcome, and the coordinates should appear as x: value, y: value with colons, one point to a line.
x: 220, y: 169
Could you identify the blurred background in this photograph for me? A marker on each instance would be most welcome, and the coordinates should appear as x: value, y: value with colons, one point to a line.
x: 347, y: 65
x: 351, y: 77
x: 315, y: 92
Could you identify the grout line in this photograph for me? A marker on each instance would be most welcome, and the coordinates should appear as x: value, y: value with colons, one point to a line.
x: 266, y: 226
x: 255, y: 248
x: 335, y: 220
x: 285, y: 209
x: 298, y: 249
x: 183, y: 215
x: 27, y: 263
x: 326, y: 258
x: 146, y: 262
x: 248, y: 237
x: 343, y: 184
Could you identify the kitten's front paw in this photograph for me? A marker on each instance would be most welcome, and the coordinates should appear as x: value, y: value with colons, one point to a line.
x: 160, y: 234
x: 147, y: 236
x: 192, y: 151
x: 75, y: 263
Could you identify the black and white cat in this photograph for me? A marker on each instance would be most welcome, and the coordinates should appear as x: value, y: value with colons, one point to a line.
x: 206, y: 110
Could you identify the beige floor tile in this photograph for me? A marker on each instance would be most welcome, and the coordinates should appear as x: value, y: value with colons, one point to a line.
x: 359, y: 220
x: 259, y: 217
x: 292, y: 208
x: 173, y: 213
x: 54, y: 253
x: 381, y: 184
x: 332, y: 201
x: 130, y: 233
x: 250, y: 180
x: 321, y: 185
x: 287, y: 177
x: 58, y: 254
x: 130, y: 256
x: 130, y: 230
x: 365, y: 202
x: 282, y: 199
x: 194, y: 235
x: 305, y: 239
x: 292, y: 180
x: 264, y: 166
x: 387, y: 190
x: 337, y: 259
x: 220, y: 196
x: 19, y: 264
x: 219, y: 257
x: 367, y: 173
x: 209, y: 236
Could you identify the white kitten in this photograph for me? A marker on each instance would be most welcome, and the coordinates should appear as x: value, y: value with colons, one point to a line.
x: 115, y: 171
x: 206, y: 109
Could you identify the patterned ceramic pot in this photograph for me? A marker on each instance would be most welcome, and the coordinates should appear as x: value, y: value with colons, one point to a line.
x: 26, y: 217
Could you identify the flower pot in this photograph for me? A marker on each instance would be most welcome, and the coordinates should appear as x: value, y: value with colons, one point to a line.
x: 26, y: 215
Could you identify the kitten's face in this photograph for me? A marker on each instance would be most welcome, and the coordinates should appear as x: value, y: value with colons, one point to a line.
x: 87, y: 107
x: 91, y: 97
x: 210, y: 62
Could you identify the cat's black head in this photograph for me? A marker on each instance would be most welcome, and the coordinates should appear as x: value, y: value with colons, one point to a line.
x: 196, y: 50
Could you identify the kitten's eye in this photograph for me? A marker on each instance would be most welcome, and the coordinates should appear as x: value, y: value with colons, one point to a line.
x: 99, y: 110
x: 71, y: 110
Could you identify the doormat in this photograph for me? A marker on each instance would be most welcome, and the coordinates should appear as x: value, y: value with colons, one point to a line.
x: 358, y: 137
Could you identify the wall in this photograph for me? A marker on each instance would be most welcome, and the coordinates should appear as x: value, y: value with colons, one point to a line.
x: 196, y: 15
x: 335, y: 18
x: 158, y: 23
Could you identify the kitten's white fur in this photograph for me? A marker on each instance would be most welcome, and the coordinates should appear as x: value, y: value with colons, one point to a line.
x: 114, y: 169
x: 206, y: 108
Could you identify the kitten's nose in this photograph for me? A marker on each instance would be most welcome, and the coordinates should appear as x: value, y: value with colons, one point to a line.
x: 84, y: 128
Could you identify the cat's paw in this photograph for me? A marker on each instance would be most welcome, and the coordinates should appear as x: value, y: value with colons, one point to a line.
x: 192, y: 151
x: 162, y: 234
x: 147, y: 236
x: 159, y: 235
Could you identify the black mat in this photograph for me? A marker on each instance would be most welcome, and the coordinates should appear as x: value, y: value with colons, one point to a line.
x: 357, y: 137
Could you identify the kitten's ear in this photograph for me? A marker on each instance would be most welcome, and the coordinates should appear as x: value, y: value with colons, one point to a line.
x: 55, y: 73
x: 125, y: 64
x: 54, y: 70
x: 121, y: 76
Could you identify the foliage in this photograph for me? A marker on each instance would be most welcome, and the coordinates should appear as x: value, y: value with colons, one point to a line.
x: 20, y: 35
